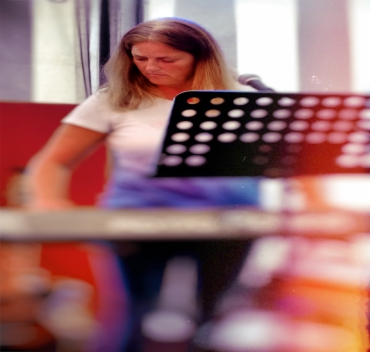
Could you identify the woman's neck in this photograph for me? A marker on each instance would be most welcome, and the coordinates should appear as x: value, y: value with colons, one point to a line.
x: 170, y: 93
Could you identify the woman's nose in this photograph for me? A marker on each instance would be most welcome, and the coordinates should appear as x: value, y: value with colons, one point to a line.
x: 152, y: 65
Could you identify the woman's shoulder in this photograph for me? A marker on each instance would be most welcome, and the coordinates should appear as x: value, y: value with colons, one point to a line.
x: 99, y: 103
x: 101, y: 96
x: 94, y: 112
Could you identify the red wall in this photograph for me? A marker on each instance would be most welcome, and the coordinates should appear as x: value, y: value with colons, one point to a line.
x: 24, y: 129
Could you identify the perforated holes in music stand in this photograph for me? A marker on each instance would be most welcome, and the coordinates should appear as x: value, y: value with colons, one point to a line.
x: 268, y: 134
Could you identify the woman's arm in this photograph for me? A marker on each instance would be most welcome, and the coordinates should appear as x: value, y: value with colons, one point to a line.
x: 49, y: 171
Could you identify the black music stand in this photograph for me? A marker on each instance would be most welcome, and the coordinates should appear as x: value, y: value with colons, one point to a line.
x: 237, y: 133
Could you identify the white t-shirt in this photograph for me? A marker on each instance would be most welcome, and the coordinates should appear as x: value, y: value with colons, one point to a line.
x: 134, y: 137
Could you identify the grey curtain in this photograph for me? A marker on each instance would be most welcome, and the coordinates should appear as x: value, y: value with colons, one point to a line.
x: 100, y: 24
x: 15, y: 50
x: 97, y: 27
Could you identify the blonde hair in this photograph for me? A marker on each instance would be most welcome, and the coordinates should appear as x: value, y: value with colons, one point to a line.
x: 127, y: 87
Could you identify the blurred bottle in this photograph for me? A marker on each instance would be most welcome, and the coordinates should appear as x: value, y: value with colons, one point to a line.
x: 173, y: 322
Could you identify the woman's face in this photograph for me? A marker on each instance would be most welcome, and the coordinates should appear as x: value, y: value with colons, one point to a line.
x: 163, y: 65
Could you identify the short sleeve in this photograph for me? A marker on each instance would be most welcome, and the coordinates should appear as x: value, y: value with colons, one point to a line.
x: 94, y: 114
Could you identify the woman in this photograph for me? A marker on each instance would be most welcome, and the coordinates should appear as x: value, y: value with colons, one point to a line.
x: 153, y: 63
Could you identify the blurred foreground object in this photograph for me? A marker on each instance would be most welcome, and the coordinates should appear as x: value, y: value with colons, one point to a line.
x: 298, y: 295
x: 68, y: 296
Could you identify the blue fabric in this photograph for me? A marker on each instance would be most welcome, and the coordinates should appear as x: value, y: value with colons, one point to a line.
x: 132, y: 190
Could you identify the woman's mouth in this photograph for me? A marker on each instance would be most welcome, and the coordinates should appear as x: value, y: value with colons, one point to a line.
x: 155, y: 74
